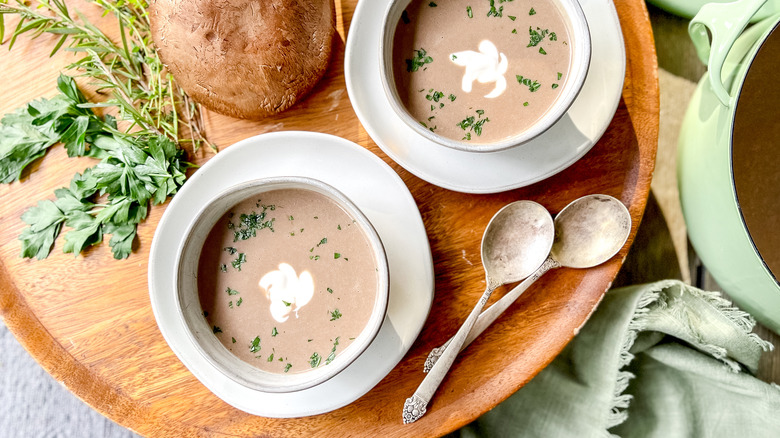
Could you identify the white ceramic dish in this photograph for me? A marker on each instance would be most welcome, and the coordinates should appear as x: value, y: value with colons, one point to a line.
x: 563, y: 144
x: 386, y: 202
x: 191, y: 312
x: 579, y: 36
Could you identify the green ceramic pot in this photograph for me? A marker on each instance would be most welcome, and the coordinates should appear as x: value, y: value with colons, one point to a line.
x: 715, y: 223
x: 689, y: 8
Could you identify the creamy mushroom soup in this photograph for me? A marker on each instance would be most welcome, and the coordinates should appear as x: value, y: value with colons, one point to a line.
x: 480, y: 70
x: 287, y: 280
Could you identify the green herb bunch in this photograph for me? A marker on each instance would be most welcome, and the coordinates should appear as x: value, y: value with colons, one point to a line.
x: 134, y: 170
x: 141, y: 160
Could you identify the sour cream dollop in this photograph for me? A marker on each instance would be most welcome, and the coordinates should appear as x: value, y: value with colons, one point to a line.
x: 287, y: 291
x: 485, y: 66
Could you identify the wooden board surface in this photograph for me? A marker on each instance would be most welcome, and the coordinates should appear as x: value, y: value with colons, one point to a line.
x: 87, y: 320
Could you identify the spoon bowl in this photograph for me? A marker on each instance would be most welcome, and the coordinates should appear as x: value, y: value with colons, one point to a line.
x: 589, y: 231
x: 516, y: 241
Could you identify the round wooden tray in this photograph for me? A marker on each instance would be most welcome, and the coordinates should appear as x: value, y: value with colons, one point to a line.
x: 87, y: 320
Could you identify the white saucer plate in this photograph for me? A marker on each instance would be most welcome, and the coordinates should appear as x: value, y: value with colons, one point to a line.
x: 555, y: 150
x: 380, y: 194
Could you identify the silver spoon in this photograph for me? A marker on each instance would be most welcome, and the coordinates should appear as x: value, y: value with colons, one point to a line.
x: 588, y: 232
x: 516, y: 241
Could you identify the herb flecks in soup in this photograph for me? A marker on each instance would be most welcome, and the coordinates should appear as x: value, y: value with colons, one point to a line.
x: 287, y: 281
x: 457, y: 58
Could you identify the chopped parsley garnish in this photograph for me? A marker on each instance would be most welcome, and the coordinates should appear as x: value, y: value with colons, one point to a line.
x: 554, y: 86
x: 230, y: 304
x: 205, y: 314
x: 493, y: 12
x: 314, y: 360
x: 323, y: 241
x: 223, y: 267
x: 238, y: 303
x: 271, y: 358
x: 432, y: 4
x: 542, y: 51
x: 532, y: 12
x: 287, y: 367
x: 234, y: 340
x: 420, y: 59
x: 554, y: 37
x: 336, y: 255
x: 431, y: 118
x: 239, y: 261
x: 334, y: 315
x: 274, y: 332
x: 254, y: 346
x: 431, y: 128
x: 286, y: 303
x: 231, y: 291
x: 532, y: 84
x: 536, y: 36
x: 216, y: 330
x: 250, y: 223
x: 230, y: 250
x: 435, y: 96
x: 560, y: 75
x: 405, y: 17
x: 469, y: 12
x: 453, y: 57
x: 473, y: 124
x: 478, y: 126
x: 451, y: 97
x: 467, y: 122
x: 338, y: 227
x: 330, y: 291
x: 332, y: 354
x: 525, y: 103
x: 291, y: 218
x: 514, y: 31
x: 512, y: 17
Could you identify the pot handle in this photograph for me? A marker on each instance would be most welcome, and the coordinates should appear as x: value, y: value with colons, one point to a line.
x: 725, y: 21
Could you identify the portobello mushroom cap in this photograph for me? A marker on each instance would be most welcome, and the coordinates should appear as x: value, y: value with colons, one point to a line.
x: 244, y: 58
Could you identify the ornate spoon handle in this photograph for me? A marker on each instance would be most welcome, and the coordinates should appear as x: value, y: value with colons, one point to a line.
x: 416, y: 405
x: 492, y: 313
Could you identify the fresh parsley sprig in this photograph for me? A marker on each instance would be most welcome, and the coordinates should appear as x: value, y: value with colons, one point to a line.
x: 134, y: 171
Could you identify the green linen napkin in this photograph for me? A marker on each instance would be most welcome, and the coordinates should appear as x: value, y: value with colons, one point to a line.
x: 657, y: 360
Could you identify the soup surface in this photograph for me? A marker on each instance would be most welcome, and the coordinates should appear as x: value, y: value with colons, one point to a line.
x: 480, y: 70
x: 287, y: 280
x: 756, y: 151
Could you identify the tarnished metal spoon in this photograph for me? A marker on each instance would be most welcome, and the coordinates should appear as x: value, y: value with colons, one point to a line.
x: 588, y: 232
x: 516, y: 241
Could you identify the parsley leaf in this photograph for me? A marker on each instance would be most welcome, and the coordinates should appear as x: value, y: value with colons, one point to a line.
x: 420, y: 59
x: 314, y: 360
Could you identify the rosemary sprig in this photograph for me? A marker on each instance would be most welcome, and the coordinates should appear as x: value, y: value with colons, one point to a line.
x: 130, y: 72
x: 141, y: 160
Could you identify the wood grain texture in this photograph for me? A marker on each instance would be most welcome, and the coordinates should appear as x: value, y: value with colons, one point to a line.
x: 88, y: 320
